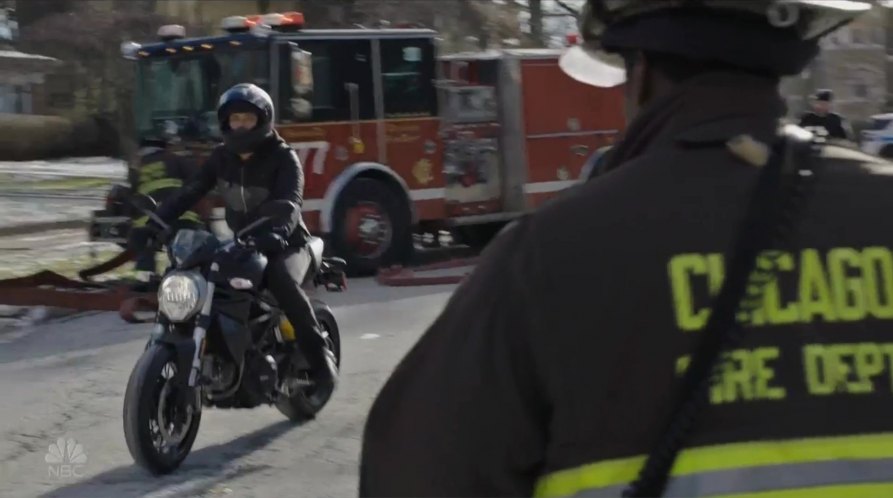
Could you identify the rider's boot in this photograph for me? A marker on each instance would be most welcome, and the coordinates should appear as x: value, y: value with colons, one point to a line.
x: 322, y: 362
x: 323, y: 367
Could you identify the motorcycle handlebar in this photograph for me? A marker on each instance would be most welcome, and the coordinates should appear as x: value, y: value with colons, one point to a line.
x: 251, y: 226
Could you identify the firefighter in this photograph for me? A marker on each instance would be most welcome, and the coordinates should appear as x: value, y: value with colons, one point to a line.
x: 158, y: 173
x: 821, y: 117
x: 562, y: 361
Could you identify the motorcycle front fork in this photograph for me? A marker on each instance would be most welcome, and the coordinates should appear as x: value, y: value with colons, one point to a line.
x: 201, y: 328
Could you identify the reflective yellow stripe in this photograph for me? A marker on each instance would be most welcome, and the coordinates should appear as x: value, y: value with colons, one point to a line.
x: 191, y: 216
x: 720, y: 457
x: 149, y: 187
x: 188, y: 216
x: 844, y: 491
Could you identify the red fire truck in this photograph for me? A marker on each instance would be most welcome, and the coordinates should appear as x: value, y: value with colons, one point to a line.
x: 395, y: 138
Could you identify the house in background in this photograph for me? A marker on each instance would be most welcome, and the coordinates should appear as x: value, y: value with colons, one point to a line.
x: 22, y: 76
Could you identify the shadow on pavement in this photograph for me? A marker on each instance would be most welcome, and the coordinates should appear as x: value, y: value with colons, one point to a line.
x: 82, y: 331
x: 367, y: 291
x: 201, y: 470
x: 96, y: 331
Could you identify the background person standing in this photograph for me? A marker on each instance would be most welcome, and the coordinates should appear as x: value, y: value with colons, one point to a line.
x: 822, y: 117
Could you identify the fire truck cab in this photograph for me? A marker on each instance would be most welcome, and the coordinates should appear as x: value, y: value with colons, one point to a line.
x: 393, y: 137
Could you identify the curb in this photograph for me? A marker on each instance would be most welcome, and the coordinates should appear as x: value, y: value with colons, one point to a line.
x: 398, y: 276
x: 24, y: 229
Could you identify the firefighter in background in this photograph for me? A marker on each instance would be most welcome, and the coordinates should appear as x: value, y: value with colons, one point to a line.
x: 158, y: 173
x: 822, y: 117
x: 555, y: 367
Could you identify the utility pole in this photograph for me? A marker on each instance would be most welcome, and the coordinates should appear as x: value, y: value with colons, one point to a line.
x: 536, y: 21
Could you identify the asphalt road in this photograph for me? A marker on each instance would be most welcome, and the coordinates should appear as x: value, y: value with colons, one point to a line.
x: 66, y: 380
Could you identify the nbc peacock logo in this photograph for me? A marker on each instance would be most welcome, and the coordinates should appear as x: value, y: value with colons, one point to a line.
x: 66, y: 458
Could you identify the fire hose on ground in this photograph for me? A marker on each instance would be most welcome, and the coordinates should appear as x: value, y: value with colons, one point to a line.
x: 47, y: 288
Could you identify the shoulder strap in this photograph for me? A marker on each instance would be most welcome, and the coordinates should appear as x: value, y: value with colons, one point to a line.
x: 775, y: 204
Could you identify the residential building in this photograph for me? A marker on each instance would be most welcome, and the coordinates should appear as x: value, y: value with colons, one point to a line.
x: 22, y: 76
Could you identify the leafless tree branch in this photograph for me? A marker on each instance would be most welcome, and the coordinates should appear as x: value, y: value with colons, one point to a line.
x: 572, y: 11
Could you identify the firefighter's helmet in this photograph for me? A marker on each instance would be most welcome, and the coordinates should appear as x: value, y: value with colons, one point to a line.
x: 778, y: 37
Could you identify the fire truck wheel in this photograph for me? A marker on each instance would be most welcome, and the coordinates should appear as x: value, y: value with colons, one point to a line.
x: 371, y: 227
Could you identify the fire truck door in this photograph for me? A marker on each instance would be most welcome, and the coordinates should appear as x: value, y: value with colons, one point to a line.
x: 342, y: 128
x: 408, y: 108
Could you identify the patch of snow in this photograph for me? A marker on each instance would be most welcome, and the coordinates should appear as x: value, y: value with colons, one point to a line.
x: 15, y: 54
x: 93, y: 167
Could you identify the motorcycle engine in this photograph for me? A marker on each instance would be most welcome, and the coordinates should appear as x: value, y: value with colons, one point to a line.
x: 260, y: 380
x: 222, y: 374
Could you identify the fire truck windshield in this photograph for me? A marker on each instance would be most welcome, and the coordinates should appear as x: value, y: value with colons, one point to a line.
x: 177, y: 96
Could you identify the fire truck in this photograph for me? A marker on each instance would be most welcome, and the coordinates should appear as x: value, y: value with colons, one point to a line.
x: 395, y: 138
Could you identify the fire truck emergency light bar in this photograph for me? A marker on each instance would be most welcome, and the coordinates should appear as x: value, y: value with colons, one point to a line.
x: 236, y: 24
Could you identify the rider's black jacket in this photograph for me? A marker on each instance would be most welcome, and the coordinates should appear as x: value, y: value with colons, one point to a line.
x: 272, y: 173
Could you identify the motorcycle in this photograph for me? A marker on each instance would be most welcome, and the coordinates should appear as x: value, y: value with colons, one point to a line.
x: 219, y: 341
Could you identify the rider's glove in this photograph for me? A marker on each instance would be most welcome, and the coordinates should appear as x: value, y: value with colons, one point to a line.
x: 270, y: 243
x: 141, y: 237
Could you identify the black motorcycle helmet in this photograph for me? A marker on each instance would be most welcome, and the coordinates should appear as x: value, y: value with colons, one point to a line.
x: 245, y: 97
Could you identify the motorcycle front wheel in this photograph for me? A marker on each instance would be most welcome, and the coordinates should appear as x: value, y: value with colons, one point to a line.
x: 159, y: 432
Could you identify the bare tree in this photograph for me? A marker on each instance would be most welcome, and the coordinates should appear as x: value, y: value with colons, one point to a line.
x: 536, y: 19
x: 538, y: 11
x: 30, y: 11
x: 570, y: 10
x: 456, y: 20
x: 89, y: 42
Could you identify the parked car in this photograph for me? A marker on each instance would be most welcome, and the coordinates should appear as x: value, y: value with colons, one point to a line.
x: 877, y: 138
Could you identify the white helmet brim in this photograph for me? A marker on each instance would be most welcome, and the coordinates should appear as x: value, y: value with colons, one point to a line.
x: 593, y: 67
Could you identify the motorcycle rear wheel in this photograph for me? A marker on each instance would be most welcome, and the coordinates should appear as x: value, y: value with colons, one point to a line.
x: 156, y: 436
x: 304, y: 404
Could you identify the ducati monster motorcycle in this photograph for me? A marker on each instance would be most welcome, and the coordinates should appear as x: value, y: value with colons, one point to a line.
x: 219, y: 341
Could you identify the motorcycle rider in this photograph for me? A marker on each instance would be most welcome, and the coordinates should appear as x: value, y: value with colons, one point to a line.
x: 554, y: 367
x: 254, y: 165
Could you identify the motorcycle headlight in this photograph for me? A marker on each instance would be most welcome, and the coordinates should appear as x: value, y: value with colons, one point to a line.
x: 180, y: 295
